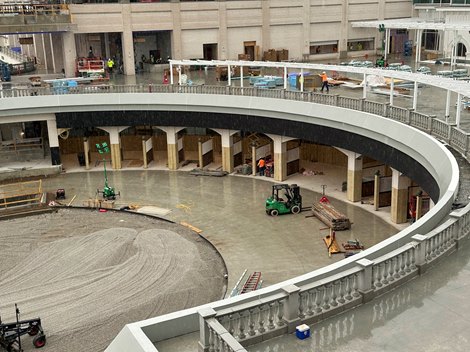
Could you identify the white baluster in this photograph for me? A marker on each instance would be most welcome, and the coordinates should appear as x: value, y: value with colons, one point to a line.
x: 280, y: 312
x: 301, y: 305
x: 326, y: 297
x: 251, y: 322
x: 241, y: 326
x: 333, y: 301
x: 310, y: 302
x: 341, y: 290
x: 355, y: 292
x: 318, y: 299
x: 271, y: 317
x: 377, y: 278
x: 261, y: 328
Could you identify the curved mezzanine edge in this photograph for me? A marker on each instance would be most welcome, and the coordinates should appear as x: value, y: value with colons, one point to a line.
x: 432, y: 155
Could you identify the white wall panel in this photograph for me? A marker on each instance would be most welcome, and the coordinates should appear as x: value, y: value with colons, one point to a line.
x: 244, y: 17
x: 199, y: 19
x: 192, y: 41
x: 288, y: 37
x: 363, y: 12
x: 398, y: 9
x: 324, y: 31
x: 326, y: 14
x: 286, y: 15
x: 236, y: 37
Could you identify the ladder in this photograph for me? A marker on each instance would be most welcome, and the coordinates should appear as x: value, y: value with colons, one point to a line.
x: 252, y: 283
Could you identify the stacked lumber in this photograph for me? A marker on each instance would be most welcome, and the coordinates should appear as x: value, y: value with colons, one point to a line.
x: 331, y: 217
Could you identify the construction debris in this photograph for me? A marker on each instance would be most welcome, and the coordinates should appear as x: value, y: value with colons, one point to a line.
x: 331, y: 217
x: 331, y: 244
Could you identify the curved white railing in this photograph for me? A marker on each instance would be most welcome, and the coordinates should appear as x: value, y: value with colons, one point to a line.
x: 230, y: 324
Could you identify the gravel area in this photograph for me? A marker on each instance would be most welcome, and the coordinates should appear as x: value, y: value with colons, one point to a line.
x: 87, y: 274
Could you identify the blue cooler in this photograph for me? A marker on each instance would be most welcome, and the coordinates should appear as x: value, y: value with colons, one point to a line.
x: 302, y: 331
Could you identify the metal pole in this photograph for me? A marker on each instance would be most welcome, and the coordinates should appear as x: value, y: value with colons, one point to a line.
x: 417, y: 43
x: 229, y: 74
x: 171, y: 73
x: 392, y: 86
x: 385, y: 45
x: 415, y: 96
x: 301, y: 78
x: 179, y: 74
x: 241, y: 76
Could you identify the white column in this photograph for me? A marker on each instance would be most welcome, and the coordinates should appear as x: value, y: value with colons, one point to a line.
x: 301, y: 78
x: 448, y: 105
x: 417, y: 47
x: 69, y: 53
x: 44, y: 51
x: 241, y: 76
x: 52, y: 53
x: 229, y: 75
x: 285, y: 77
x: 171, y: 73
x: 392, y: 86
x: 387, y: 43
x: 128, y: 61
x: 106, y: 45
x: 364, y: 88
x: 459, y: 109
x: 415, y: 95
x: 52, y: 133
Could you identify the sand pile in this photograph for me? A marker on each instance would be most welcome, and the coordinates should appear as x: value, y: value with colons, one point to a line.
x: 87, y: 274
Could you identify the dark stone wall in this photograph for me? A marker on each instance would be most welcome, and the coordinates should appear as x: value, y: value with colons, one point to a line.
x: 310, y: 132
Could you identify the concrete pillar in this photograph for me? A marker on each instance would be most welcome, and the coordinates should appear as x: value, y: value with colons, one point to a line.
x: 223, y: 40
x: 86, y: 149
x: 53, y: 141
x: 127, y: 41
x: 172, y: 146
x: 199, y: 154
x: 305, y: 28
x: 115, y: 144
x: 107, y: 52
x: 419, y: 207
x: 253, y: 158
x: 344, y: 35
x: 227, y: 149
x: 176, y: 44
x: 204, y: 334
x: 280, y: 164
x: 291, y: 307
x: 52, y: 53
x: 400, y: 184
x: 365, y: 279
x: 144, y: 152
x: 376, y: 191
x: 354, y: 188
x: 69, y: 53
x: 266, y: 26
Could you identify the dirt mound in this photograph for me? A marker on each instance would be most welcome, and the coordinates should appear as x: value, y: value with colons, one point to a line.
x: 86, y: 276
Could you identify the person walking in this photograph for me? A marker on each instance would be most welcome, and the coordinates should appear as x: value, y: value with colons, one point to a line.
x: 110, y: 64
x: 262, y: 166
x: 324, y: 82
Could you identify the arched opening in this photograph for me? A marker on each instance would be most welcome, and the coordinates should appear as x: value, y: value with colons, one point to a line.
x: 461, y: 49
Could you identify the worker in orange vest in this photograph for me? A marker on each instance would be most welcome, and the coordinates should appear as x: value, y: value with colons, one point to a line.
x: 262, y: 166
x: 324, y: 82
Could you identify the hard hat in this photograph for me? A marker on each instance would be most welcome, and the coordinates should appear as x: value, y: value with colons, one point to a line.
x: 323, y: 72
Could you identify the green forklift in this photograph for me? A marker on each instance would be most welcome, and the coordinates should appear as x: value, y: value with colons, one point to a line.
x: 285, y: 199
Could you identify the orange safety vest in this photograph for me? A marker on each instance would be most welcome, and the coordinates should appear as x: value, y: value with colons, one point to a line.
x: 324, y: 77
x: 261, y: 163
